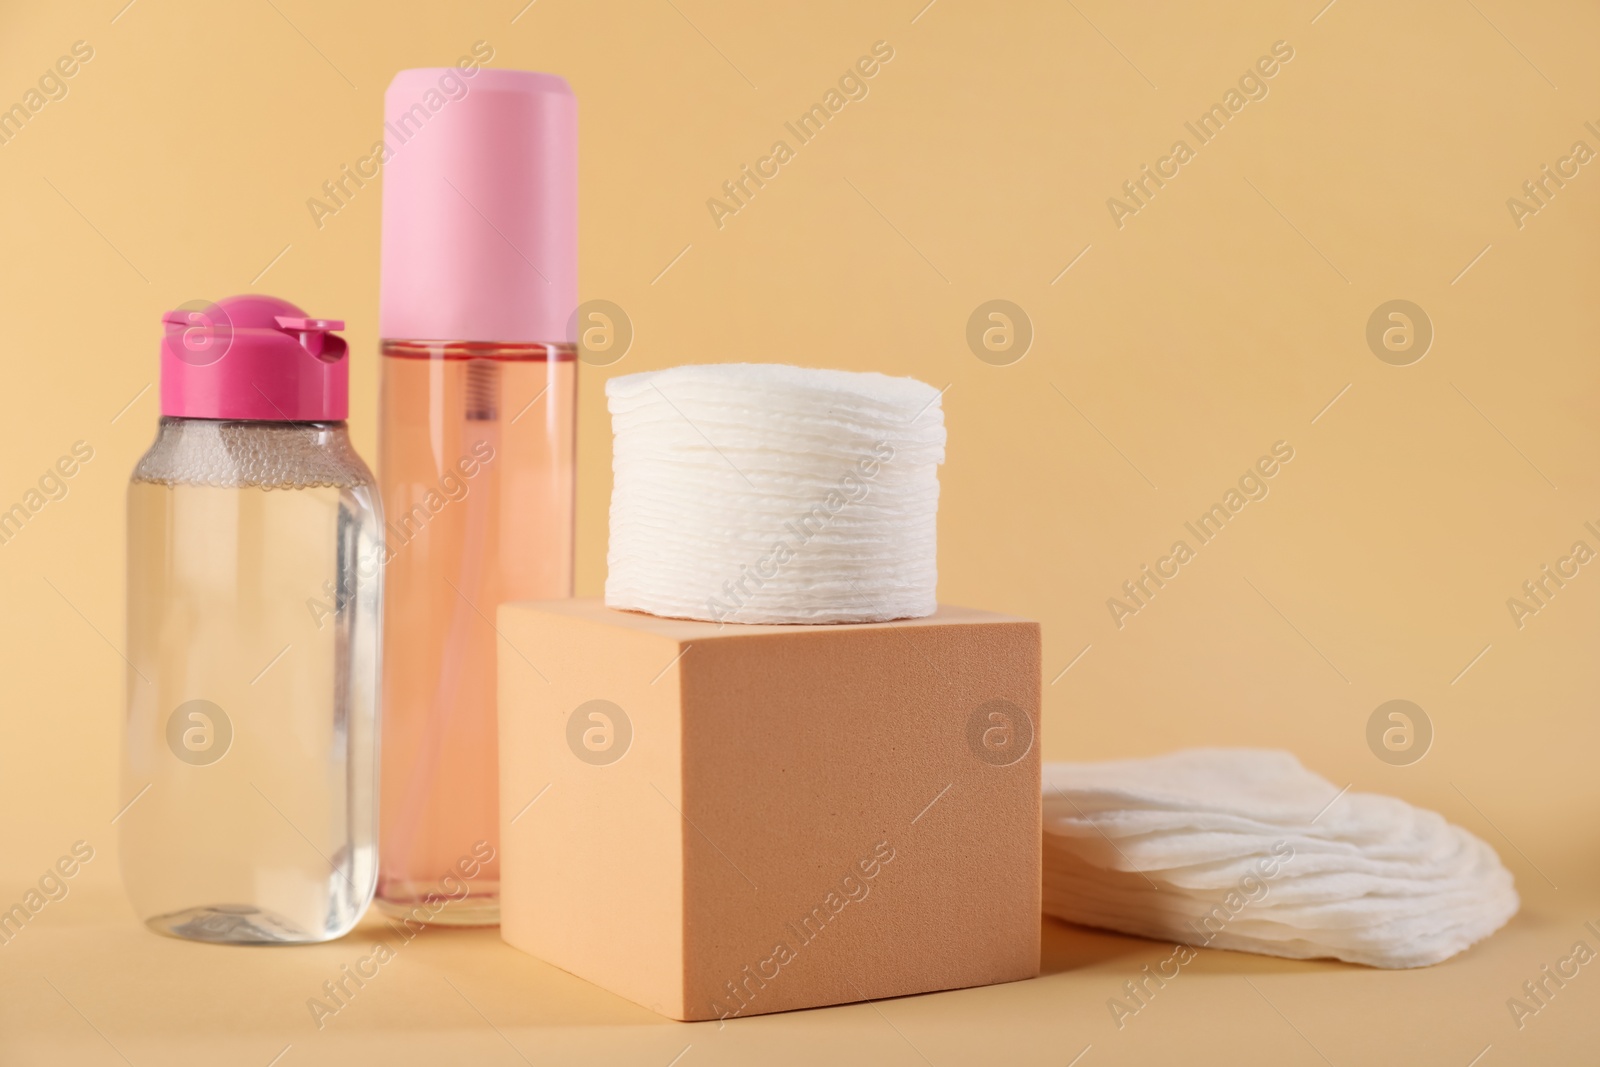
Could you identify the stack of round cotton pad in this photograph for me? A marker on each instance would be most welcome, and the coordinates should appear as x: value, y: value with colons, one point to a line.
x: 759, y: 493
x: 1245, y: 849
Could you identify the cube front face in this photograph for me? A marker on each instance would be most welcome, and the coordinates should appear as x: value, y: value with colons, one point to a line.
x: 876, y: 854
x: 804, y: 815
x: 592, y: 870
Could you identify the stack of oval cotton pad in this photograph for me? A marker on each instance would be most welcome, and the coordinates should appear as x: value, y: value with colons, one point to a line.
x: 759, y: 493
x: 1245, y: 849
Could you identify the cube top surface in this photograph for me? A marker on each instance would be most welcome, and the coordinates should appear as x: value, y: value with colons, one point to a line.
x: 593, y: 609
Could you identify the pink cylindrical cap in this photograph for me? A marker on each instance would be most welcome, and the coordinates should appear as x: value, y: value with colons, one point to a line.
x: 253, y: 357
x: 480, y: 206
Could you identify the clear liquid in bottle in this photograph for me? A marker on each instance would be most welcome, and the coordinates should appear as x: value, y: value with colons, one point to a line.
x: 250, y: 762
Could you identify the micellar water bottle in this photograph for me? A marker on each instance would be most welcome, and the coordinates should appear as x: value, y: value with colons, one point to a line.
x: 254, y: 603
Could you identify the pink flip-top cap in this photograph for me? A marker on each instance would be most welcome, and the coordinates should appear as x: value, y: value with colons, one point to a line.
x: 480, y: 206
x: 253, y: 357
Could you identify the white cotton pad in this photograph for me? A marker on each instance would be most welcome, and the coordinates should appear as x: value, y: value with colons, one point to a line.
x: 1246, y: 849
x: 1260, y: 784
x: 763, y: 493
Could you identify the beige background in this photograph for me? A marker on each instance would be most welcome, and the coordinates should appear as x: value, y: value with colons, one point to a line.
x: 1221, y: 318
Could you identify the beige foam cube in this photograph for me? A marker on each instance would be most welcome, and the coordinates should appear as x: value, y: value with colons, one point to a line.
x: 724, y: 821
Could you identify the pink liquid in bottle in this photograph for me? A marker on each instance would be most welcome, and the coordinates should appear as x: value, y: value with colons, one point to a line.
x: 476, y: 462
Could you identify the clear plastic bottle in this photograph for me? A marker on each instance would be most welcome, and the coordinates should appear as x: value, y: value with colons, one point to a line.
x: 254, y: 605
